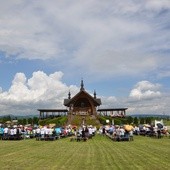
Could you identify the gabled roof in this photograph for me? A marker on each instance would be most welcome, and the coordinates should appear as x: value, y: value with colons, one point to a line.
x: 96, y: 101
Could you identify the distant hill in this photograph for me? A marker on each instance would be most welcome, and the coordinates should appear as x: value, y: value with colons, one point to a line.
x: 18, y: 116
x: 150, y: 115
x: 132, y: 115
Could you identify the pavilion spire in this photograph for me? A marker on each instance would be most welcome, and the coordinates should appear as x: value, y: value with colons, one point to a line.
x: 82, y: 85
x: 69, y: 95
x: 94, y: 94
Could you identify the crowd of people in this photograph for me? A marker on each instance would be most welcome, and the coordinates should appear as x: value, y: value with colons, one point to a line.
x: 45, y: 132
x: 84, y: 133
x: 16, y: 132
x: 117, y: 133
x: 126, y: 132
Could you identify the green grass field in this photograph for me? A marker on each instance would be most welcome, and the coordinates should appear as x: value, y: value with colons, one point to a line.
x: 99, y: 153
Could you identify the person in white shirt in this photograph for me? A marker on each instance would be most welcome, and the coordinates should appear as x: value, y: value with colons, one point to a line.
x: 122, y: 132
x: 5, y: 132
x: 131, y: 135
x: 38, y: 135
x: 15, y: 132
x: 90, y: 132
x: 42, y: 132
x: 11, y: 132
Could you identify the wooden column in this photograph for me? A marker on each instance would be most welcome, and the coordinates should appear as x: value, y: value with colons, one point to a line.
x: 40, y: 116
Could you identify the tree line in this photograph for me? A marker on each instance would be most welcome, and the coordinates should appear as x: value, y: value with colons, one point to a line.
x: 22, y: 121
x: 130, y: 120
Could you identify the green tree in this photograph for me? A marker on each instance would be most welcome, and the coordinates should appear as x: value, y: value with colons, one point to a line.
x: 136, y: 121
x: 24, y: 121
x: 129, y: 119
x: 20, y: 121
x: 30, y: 121
x: 148, y: 120
x: 6, y: 118
x: 117, y: 121
x: 123, y: 121
x: 142, y: 120
x: 35, y: 120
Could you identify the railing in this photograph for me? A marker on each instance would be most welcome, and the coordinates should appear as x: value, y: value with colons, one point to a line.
x: 81, y: 113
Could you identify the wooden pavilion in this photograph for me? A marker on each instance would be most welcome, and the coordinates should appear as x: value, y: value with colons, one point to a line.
x: 113, y: 112
x: 82, y: 104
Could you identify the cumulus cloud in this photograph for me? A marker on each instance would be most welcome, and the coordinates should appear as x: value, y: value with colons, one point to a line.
x: 89, y: 34
x: 25, y: 96
x: 157, y: 105
x: 147, y: 98
x: 145, y: 90
x: 108, y: 102
x: 91, y: 38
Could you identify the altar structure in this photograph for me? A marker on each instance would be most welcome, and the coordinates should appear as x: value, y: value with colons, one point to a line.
x: 82, y: 104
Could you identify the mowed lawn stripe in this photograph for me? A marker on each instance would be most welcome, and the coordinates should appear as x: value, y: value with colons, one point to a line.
x: 139, y: 156
x: 109, y: 154
x: 95, y: 154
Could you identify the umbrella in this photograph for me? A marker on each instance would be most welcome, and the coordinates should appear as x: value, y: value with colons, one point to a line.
x: 29, y: 128
x: 159, y: 125
x: 128, y: 127
x: 146, y: 125
x: 52, y: 125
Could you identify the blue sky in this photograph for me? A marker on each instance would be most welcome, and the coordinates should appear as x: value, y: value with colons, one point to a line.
x: 120, y: 49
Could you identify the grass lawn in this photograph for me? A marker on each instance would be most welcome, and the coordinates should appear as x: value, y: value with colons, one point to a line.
x: 99, y: 153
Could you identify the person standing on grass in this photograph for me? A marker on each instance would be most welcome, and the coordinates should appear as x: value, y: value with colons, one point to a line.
x: 131, y: 135
x: 42, y: 132
x: 5, y: 132
x: 118, y: 133
x: 122, y: 132
x: 159, y: 133
x: 12, y: 132
x: 90, y: 132
x: 1, y: 132
x: 86, y: 132
x: 103, y: 130
x: 18, y: 132
x: 83, y: 134
x: 38, y: 135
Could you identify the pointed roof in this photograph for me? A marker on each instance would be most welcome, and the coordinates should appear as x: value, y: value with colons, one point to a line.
x: 96, y: 101
x: 82, y: 92
x: 82, y: 85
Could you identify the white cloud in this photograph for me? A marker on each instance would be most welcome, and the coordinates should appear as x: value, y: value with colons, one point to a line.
x: 155, y: 105
x: 108, y: 102
x: 157, y: 5
x: 89, y: 34
x: 41, y: 90
x: 26, y: 95
x: 93, y: 38
x: 147, y: 98
x: 145, y: 90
